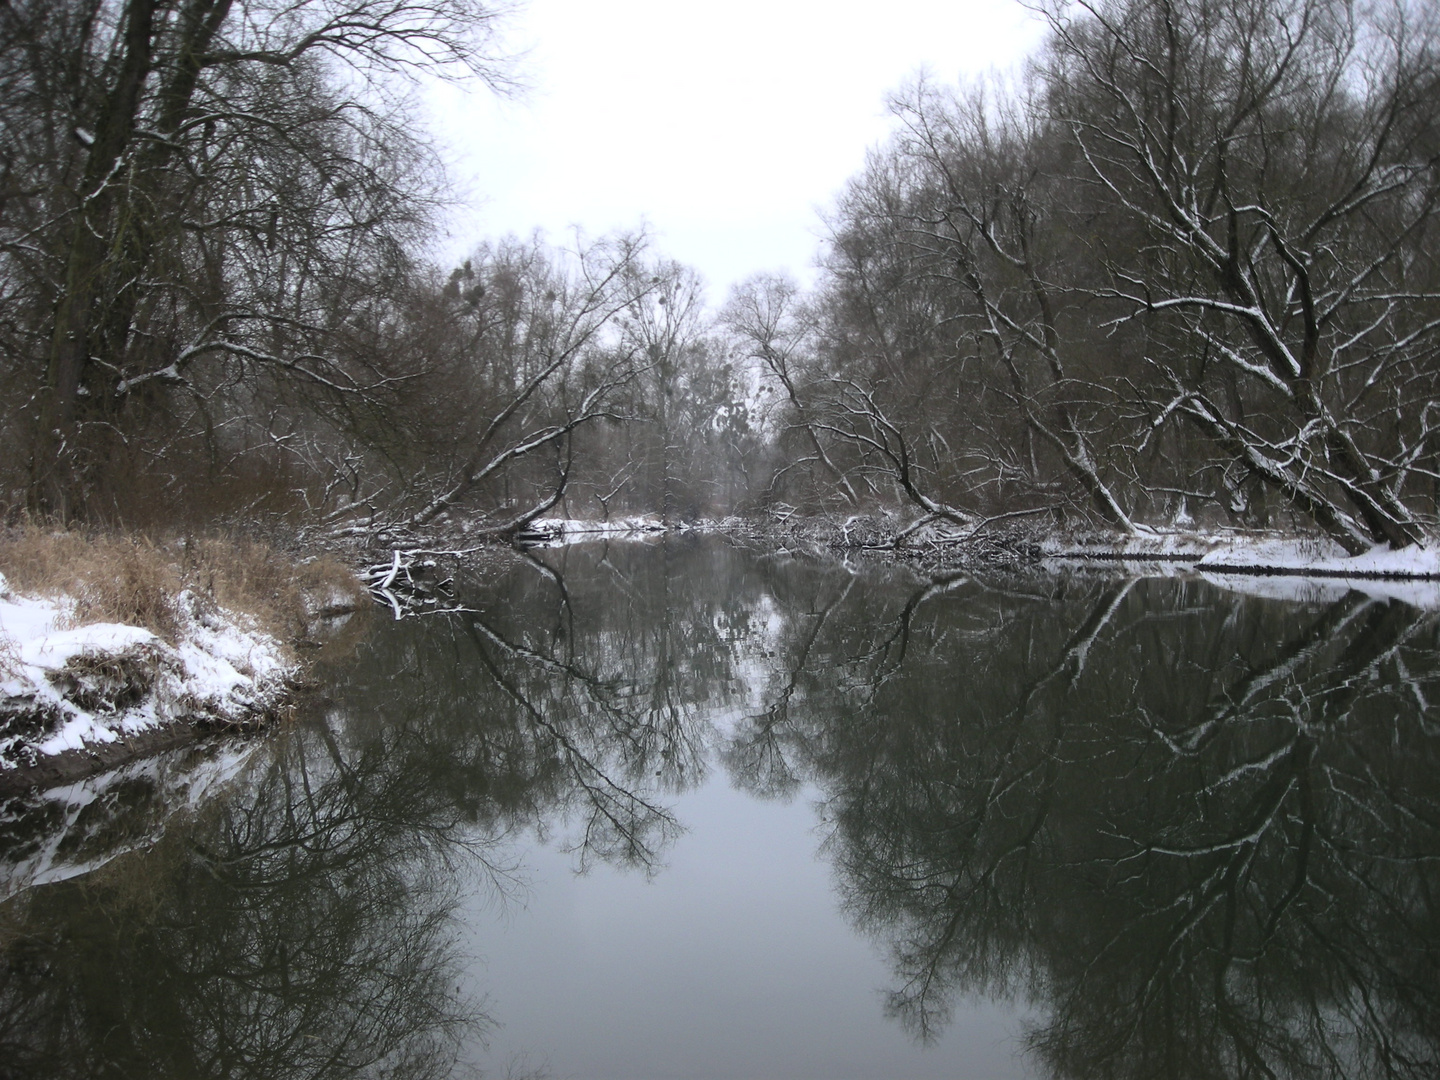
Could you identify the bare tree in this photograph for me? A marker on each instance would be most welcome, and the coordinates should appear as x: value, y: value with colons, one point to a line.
x: 959, y: 369
x: 1190, y: 257
x: 200, y: 196
x: 984, y: 215
x: 533, y: 347
x: 666, y: 327
x: 768, y: 318
x: 1264, y: 177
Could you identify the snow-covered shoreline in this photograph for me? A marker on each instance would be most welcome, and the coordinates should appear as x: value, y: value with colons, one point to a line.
x: 68, y: 690
x: 1297, y: 569
x: 1291, y: 567
x: 1256, y: 553
x: 1213, y: 552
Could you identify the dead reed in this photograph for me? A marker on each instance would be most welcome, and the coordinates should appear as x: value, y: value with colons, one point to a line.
x: 134, y: 579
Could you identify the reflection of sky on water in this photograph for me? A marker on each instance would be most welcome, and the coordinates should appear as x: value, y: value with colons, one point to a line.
x: 1197, y: 831
x: 732, y: 962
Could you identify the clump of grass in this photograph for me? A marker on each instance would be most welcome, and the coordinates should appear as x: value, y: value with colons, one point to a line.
x: 281, y: 595
x: 108, y: 682
x: 135, y: 580
x: 111, y: 578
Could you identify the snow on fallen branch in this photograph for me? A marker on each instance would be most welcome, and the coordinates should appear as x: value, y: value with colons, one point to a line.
x: 409, y: 584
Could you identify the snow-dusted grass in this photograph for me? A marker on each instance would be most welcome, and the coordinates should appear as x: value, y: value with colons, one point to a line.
x: 66, y: 687
x: 111, y: 577
x: 104, y: 637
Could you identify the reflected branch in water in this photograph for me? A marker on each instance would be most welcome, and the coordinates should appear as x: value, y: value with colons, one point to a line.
x: 606, y: 718
x: 619, y: 823
x: 1199, y: 833
x: 283, y: 932
x: 755, y: 755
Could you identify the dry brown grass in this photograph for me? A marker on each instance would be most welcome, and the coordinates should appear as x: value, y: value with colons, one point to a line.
x: 111, y: 578
x: 135, y: 580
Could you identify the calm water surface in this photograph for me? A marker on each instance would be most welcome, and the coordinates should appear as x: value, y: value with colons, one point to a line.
x: 681, y: 810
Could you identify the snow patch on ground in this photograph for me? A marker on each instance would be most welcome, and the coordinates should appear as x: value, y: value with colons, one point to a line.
x: 65, y: 687
x: 1226, y: 551
x: 1325, y: 557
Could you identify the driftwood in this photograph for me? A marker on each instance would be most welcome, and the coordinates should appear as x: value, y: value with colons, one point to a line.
x: 411, y: 583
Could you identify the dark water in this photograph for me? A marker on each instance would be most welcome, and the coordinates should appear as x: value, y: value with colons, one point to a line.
x: 685, y: 811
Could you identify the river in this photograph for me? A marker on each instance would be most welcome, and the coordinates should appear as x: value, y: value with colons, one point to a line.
x: 685, y: 810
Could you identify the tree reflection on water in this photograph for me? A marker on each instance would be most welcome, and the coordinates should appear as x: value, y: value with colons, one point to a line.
x: 287, y: 930
x: 1196, y: 832
x: 301, y: 925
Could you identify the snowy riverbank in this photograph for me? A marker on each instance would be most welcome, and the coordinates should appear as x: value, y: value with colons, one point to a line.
x: 1270, y: 564
x: 93, y: 690
x: 1250, y: 552
x: 1302, y: 569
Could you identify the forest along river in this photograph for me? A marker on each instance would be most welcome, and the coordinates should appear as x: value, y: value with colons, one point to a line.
x: 832, y: 822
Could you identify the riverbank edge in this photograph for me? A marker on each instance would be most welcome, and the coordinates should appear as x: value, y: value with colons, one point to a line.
x: 946, y: 549
x: 170, y: 712
x: 932, y: 552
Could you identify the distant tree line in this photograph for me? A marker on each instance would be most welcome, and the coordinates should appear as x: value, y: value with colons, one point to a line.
x: 1188, y: 265
x: 1184, y: 267
x: 214, y: 296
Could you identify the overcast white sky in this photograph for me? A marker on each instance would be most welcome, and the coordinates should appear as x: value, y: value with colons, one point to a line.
x: 726, y: 128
